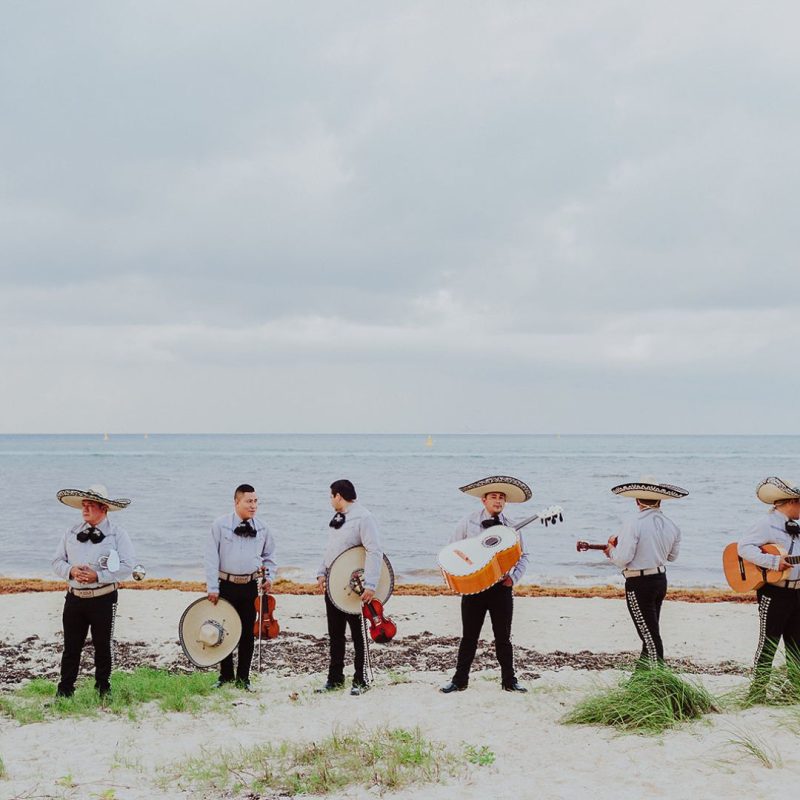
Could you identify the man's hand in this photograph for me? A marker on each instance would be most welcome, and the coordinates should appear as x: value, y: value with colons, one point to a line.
x: 784, y: 565
x: 213, y: 597
x: 367, y: 595
x: 83, y: 573
x: 612, y: 542
x: 507, y: 581
x: 321, y: 583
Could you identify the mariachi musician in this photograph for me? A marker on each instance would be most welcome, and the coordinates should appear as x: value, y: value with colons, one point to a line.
x: 240, y: 550
x: 93, y: 557
x: 778, y: 603
x: 351, y: 526
x: 493, y: 492
x: 645, y: 542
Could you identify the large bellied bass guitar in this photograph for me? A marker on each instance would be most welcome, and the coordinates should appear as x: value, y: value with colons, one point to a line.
x: 475, y: 564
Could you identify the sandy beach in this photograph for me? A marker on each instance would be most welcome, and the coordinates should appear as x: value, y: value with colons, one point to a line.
x: 565, y: 648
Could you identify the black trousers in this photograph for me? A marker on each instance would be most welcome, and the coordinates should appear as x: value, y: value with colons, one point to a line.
x: 242, y: 596
x: 644, y: 596
x: 779, y: 616
x: 499, y: 602
x: 81, y: 615
x: 338, y: 622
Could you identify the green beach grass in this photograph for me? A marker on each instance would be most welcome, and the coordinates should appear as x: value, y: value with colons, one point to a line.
x: 649, y: 701
x: 385, y: 759
x: 36, y: 700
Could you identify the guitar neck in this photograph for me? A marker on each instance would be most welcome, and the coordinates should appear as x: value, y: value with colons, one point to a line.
x: 792, y: 559
x: 520, y: 525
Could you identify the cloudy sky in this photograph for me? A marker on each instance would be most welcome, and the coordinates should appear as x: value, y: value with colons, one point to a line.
x: 399, y: 217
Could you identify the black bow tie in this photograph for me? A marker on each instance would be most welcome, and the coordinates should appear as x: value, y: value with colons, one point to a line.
x: 244, y: 529
x: 95, y: 534
x: 490, y: 523
x: 338, y: 520
x: 792, y: 528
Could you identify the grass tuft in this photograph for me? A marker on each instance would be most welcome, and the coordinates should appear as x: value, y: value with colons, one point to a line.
x: 3, y: 771
x: 388, y: 759
x: 650, y: 701
x: 481, y: 756
x: 754, y: 746
x: 36, y: 700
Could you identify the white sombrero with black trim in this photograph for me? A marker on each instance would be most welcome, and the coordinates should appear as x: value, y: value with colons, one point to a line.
x: 96, y: 493
x: 514, y: 489
x: 650, y: 490
x: 209, y: 632
x: 772, y: 490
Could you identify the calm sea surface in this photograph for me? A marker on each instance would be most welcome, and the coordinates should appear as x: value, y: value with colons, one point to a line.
x: 179, y: 484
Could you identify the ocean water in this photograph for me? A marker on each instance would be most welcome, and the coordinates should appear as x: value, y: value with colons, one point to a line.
x: 180, y: 483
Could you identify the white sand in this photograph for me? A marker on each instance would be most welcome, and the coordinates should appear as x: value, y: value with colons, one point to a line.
x: 537, y: 756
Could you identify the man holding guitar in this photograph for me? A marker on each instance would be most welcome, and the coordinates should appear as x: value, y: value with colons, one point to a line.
x: 643, y: 545
x: 498, y: 600
x: 778, y: 603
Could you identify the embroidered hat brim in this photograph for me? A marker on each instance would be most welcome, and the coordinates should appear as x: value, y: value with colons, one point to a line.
x: 514, y: 489
x: 642, y: 490
x: 773, y: 489
x: 97, y: 494
x: 209, y: 632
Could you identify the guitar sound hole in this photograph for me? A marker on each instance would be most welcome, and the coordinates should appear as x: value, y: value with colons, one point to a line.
x: 490, y: 541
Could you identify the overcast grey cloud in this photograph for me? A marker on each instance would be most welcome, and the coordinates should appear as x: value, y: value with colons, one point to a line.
x: 399, y: 217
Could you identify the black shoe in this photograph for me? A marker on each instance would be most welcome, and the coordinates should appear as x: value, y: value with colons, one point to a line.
x: 220, y: 683
x: 329, y: 687
x: 359, y: 688
x: 514, y: 687
x: 451, y: 687
x: 244, y: 685
x: 103, y: 691
x: 64, y: 693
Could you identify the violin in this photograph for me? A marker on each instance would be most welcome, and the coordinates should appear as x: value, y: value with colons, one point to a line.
x: 381, y: 628
x: 265, y: 626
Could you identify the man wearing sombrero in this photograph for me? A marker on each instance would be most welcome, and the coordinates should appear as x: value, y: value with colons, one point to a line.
x: 778, y: 604
x: 93, y: 557
x: 645, y: 542
x: 493, y: 492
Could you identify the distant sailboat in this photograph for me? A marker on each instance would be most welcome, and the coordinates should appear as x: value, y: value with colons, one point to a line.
x: 429, y: 441
x: 105, y: 437
x: 147, y: 436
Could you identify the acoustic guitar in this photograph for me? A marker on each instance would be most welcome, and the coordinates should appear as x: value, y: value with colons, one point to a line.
x: 744, y: 576
x: 477, y: 563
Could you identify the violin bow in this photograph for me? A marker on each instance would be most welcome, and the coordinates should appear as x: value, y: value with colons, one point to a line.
x: 260, y: 612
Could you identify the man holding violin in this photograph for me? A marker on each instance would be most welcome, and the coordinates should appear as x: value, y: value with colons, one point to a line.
x: 352, y: 525
x: 240, y: 549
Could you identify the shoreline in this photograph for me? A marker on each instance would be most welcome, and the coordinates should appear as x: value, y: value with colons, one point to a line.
x: 288, y: 587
